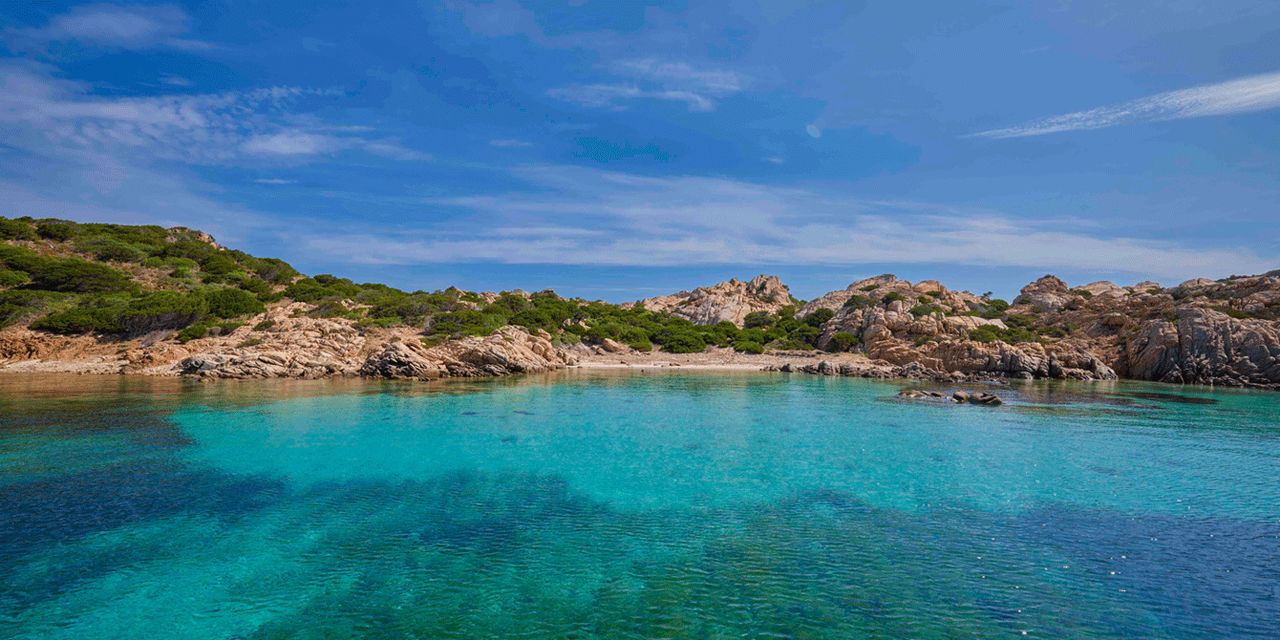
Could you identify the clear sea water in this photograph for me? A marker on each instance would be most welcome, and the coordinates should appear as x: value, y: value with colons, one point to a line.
x: 628, y: 505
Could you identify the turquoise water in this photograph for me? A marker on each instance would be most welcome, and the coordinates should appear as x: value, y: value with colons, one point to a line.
x: 584, y: 505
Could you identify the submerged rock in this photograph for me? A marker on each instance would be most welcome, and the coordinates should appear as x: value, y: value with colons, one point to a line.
x: 964, y: 397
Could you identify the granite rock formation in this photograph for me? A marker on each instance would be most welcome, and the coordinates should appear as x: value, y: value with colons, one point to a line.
x: 729, y: 301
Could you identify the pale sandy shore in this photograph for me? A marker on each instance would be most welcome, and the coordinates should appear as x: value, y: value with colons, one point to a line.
x: 714, y: 360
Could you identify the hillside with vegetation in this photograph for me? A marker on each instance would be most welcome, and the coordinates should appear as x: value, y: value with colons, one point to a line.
x: 157, y: 300
x: 123, y: 282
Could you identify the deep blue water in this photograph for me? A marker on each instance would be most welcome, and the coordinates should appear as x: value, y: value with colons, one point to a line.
x: 619, y: 505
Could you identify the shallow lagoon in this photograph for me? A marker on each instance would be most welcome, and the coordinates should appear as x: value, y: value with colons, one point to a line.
x: 591, y: 504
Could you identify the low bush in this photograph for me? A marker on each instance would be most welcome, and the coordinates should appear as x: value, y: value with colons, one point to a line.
x: 90, y: 316
x: 16, y: 230
x: 921, y: 310
x: 843, y: 341
x: 748, y: 346
x: 161, y: 310
x: 57, y: 231
x: 819, y: 317
x: 227, y: 302
x: 856, y: 301
x: 757, y: 319
x: 10, y: 278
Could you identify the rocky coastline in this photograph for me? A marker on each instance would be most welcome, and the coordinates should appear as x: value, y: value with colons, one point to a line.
x: 112, y: 299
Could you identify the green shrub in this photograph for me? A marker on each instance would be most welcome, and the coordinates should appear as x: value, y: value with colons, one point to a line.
x: 57, y: 231
x: 320, y: 287
x: 232, y: 303
x: 790, y: 344
x: 11, y: 278
x: 193, y: 250
x: 264, y: 325
x: 925, y: 310
x: 162, y: 310
x: 1233, y: 313
x: 109, y: 249
x: 677, y: 341
x: 892, y: 296
x: 1012, y: 335
x: 63, y: 274
x: 843, y: 341
x: 856, y: 301
x: 91, y: 316
x: 748, y: 346
x: 819, y: 317
x: 757, y: 319
x: 207, y: 329
x: 16, y: 230
x: 20, y: 303
x: 934, y: 294
x: 870, y: 287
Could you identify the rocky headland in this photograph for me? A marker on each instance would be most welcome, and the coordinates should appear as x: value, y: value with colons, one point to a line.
x: 146, y: 300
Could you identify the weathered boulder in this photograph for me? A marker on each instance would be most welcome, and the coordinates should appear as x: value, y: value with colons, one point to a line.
x: 508, y: 350
x: 1049, y: 293
x: 964, y: 397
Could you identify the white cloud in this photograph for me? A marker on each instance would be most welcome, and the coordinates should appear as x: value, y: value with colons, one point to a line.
x: 41, y: 112
x: 647, y: 78
x: 510, y: 143
x: 1243, y: 95
x: 813, y: 130
x: 289, y: 143
x: 273, y: 181
x: 588, y: 217
x: 115, y: 26
x: 175, y: 81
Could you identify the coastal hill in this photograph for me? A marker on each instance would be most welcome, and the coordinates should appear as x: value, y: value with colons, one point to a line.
x: 143, y: 299
x: 729, y: 301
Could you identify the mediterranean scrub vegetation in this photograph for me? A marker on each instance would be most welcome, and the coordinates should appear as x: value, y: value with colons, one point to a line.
x: 73, y: 278
x: 115, y: 280
x: 123, y: 281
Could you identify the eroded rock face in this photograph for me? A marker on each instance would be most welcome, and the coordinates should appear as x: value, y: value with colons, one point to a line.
x: 1203, y: 346
x: 729, y: 301
x: 1201, y: 331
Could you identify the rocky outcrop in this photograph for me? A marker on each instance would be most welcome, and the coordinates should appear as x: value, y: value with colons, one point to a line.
x: 510, y: 350
x: 1203, y: 346
x: 1049, y: 293
x: 1222, y: 332
x: 927, y: 325
x: 286, y: 342
x: 729, y: 301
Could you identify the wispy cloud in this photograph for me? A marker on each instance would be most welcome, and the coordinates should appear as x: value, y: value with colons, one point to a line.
x: 114, y: 26
x: 42, y: 112
x: 587, y: 217
x: 652, y: 79
x: 1243, y: 95
x: 510, y: 143
x: 273, y: 181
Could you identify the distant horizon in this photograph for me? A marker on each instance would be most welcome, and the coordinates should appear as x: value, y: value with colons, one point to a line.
x: 619, y: 151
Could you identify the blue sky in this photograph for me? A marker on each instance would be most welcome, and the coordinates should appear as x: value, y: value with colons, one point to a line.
x: 618, y: 150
